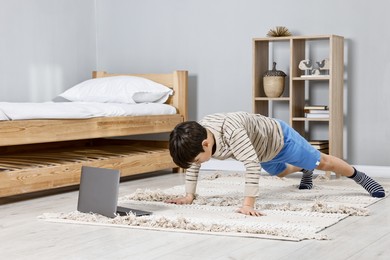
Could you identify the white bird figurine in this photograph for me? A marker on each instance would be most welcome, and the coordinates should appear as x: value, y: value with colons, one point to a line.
x: 305, y: 65
x: 323, y: 65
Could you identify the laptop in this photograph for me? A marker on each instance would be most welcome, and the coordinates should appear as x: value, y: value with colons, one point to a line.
x: 98, y: 193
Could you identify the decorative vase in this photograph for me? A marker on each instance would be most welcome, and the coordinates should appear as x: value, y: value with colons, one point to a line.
x: 273, y: 81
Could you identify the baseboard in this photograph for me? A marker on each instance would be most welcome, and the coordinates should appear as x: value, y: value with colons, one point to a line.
x: 374, y: 171
x: 233, y: 165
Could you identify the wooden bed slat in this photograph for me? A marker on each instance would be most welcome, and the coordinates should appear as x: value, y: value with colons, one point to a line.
x: 18, y: 175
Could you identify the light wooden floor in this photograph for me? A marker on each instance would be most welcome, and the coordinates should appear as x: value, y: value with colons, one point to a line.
x: 23, y: 236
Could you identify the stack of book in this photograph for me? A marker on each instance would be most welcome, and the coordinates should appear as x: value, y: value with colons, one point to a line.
x: 321, y: 145
x: 316, y: 111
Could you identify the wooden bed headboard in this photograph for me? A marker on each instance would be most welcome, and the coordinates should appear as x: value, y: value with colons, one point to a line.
x: 178, y: 81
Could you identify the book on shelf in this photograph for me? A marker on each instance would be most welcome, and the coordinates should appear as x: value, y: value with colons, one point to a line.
x: 316, y: 111
x: 316, y: 107
x: 321, y: 145
x: 318, y: 141
x: 316, y: 115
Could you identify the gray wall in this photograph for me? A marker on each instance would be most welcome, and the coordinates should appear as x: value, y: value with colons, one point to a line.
x: 48, y: 45
x: 212, y: 40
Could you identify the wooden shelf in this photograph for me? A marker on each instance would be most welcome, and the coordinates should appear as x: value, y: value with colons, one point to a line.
x: 312, y: 78
x: 272, y: 99
x: 310, y: 119
x: 269, y: 50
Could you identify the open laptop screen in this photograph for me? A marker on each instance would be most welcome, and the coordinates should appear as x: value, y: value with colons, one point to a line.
x: 98, y: 191
x: 99, y: 188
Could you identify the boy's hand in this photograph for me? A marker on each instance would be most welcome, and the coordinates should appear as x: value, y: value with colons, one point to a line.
x: 248, y: 207
x: 183, y: 200
x: 248, y: 210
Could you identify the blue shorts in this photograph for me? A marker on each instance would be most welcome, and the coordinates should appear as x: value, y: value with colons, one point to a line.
x: 296, y: 151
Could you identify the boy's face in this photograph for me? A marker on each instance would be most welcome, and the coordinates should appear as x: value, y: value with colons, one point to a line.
x: 206, y: 155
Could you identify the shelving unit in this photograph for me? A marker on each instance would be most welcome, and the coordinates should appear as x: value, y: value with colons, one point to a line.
x: 299, y: 90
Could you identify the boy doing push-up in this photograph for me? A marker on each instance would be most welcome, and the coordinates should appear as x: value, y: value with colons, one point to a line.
x: 257, y: 141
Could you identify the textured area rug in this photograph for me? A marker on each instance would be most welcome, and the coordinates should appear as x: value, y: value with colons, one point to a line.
x: 291, y: 214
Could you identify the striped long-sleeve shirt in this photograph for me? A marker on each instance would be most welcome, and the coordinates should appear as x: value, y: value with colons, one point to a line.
x: 248, y: 138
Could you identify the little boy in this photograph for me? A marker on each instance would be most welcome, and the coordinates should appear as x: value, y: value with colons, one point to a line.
x: 257, y: 141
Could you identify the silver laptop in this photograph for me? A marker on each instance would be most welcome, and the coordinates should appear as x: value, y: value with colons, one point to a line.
x: 98, y: 193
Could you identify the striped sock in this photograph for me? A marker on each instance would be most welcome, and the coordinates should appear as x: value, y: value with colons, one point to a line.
x: 374, y: 188
x: 307, y: 180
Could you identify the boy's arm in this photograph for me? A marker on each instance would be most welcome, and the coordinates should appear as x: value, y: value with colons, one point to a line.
x: 190, y: 186
x: 244, y: 151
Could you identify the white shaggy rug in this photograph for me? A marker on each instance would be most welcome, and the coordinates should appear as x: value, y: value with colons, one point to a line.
x: 291, y: 214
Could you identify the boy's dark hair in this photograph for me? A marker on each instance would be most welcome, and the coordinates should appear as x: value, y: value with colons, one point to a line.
x: 185, y: 143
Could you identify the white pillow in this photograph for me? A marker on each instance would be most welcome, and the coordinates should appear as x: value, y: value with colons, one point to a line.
x: 118, y: 89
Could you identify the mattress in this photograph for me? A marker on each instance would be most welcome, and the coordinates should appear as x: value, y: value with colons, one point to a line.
x: 79, y: 110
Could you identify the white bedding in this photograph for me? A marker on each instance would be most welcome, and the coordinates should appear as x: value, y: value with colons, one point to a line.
x: 78, y: 110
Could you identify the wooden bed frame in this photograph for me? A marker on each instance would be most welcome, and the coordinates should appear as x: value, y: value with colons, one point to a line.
x: 37, y: 155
